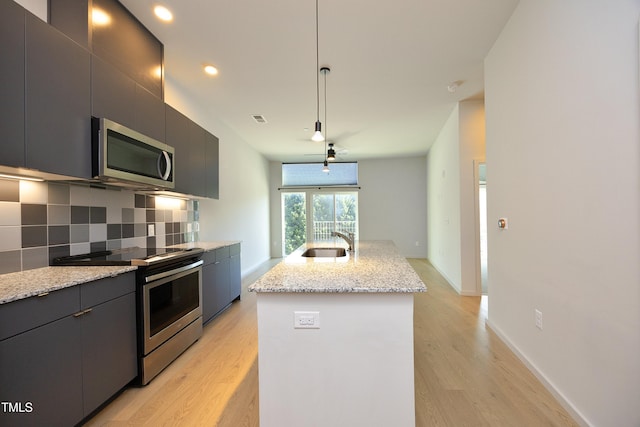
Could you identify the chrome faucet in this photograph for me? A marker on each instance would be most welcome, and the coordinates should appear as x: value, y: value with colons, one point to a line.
x: 349, y: 239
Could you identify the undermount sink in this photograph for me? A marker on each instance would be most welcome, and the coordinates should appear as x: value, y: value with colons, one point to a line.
x: 325, y: 252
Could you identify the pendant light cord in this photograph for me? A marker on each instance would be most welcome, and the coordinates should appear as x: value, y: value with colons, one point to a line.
x: 324, y: 73
x: 317, y: 66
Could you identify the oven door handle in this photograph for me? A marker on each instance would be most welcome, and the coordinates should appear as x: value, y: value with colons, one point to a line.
x: 164, y: 274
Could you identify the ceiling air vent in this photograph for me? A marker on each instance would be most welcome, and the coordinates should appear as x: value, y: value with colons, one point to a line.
x: 258, y: 118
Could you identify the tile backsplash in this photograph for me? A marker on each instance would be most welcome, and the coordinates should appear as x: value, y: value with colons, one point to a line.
x: 43, y: 220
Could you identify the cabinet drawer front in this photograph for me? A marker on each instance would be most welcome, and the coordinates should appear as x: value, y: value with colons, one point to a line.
x: 22, y: 315
x: 103, y: 290
x: 234, y: 249
x: 222, y: 253
x: 209, y: 257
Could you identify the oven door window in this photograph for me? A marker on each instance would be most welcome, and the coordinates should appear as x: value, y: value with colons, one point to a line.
x: 171, y: 300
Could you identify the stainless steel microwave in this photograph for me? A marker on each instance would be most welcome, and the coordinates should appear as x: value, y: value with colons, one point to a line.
x: 122, y: 155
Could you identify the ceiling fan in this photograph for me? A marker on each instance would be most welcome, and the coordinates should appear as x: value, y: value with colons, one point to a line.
x: 338, y: 152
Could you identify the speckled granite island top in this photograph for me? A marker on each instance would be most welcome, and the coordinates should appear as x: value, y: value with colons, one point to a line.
x: 28, y: 283
x: 375, y: 266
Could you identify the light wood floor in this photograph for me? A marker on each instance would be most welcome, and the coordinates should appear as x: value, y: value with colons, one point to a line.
x: 464, y: 375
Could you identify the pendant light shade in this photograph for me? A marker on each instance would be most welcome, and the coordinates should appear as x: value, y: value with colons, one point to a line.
x: 317, y: 135
x: 331, y: 153
x: 325, y: 168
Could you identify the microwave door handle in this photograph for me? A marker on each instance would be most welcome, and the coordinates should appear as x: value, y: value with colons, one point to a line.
x: 164, y: 175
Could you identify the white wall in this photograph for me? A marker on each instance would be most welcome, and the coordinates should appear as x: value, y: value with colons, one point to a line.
x: 391, y: 204
x: 443, y: 202
x: 472, y: 147
x: 242, y: 212
x: 563, y: 164
x: 451, y: 220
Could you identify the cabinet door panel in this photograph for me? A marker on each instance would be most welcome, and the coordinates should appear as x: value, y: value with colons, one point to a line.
x: 112, y: 93
x: 149, y: 114
x: 12, y: 21
x: 109, y: 350
x: 235, y: 279
x: 42, y: 367
x: 58, y: 102
x: 20, y: 316
x: 212, y: 150
x: 100, y: 291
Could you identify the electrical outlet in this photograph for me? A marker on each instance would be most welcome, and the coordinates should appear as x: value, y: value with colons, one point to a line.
x: 306, y: 319
x: 538, y: 319
x: 151, y: 230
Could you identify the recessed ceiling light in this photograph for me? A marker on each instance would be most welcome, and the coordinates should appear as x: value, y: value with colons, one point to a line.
x: 211, y: 70
x: 163, y: 13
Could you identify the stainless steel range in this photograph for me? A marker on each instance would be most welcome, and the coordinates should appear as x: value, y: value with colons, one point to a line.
x: 169, y: 300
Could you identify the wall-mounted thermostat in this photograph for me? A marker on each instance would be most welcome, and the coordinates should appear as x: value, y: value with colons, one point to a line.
x: 503, y: 224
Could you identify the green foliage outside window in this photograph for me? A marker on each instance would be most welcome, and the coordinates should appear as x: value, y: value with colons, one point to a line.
x: 295, y: 220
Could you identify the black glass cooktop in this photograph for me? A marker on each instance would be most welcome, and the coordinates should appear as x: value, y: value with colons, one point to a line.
x: 127, y: 256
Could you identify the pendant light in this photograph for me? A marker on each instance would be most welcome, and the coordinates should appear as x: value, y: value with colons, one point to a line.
x: 325, y: 71
x: 331, y: 153
x: 317, y: 135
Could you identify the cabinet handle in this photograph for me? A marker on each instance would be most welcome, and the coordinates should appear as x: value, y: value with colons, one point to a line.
x: 83, y: 312
x: 44, y: 294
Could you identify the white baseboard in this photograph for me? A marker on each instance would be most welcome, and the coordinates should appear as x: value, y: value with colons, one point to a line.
x: 566, y: 404
x: 455, y: 288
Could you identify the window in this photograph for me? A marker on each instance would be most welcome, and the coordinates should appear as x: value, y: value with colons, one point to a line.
x: 310, y: 174
x: 327, y: 212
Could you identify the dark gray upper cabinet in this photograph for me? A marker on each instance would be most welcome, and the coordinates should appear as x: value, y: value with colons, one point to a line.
x: 150, y: 114
x: 188, y: 140
x: 112, y: 93
x: 212, y: 156
x: 128, y: 45
x: 124, y: 42
x: 12, y: 21
x: 196, y: 157
x: 72, y: 18
x: 58, y: 106
x: 117, y: 97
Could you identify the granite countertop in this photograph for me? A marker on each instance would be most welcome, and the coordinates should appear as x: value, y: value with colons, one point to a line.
x: 28, y: 283
x: 207, y: 246
x: 375, y: 266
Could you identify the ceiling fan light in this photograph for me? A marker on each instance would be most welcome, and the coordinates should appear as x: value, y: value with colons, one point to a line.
x: 331, y: 154
x: 317, y: 135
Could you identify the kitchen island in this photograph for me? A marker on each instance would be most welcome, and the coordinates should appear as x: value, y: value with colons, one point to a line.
x: 335, y: 338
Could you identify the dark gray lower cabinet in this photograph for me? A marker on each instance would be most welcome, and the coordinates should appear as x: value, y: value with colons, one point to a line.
x: 108, y: 350
x: 221, y: 280
x: 58, y: 372
x: 40, y: 376
x: 235, y: 280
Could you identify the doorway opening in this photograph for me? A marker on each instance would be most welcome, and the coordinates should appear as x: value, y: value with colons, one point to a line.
x: 480, y: 174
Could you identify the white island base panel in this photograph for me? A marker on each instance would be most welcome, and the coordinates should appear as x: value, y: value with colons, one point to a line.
x: 356, y: 369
